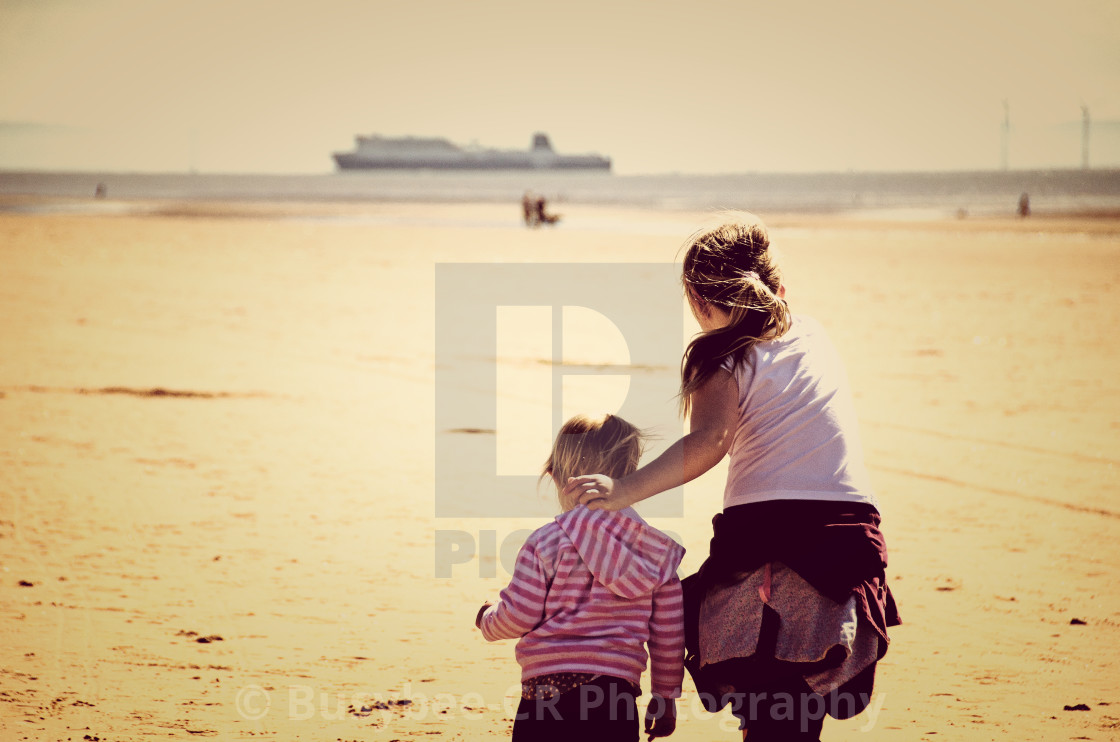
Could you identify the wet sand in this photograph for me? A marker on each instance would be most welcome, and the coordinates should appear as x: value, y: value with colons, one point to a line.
x: 217, y: 449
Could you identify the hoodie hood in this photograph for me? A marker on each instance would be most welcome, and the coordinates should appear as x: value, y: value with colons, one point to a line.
x: 624, y: 553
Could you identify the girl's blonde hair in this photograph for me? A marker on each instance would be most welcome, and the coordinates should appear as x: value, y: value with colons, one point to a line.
x: 585, y: 445
x: 732, y: 267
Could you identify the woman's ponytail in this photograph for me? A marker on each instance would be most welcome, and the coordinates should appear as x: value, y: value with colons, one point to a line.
x: 731, y: 267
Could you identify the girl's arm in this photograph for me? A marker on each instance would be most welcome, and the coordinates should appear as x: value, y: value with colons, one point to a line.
x: 715, y: 412
x: 521, y: 607
x: 666, y: 640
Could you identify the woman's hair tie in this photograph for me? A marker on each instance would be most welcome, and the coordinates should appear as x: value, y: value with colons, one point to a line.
x: 754, y: 275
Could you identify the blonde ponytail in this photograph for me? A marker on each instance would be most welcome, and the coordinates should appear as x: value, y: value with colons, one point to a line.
x: 731, y: 267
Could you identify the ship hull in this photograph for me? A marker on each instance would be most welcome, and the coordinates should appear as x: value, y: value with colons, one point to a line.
x: 351, y: 161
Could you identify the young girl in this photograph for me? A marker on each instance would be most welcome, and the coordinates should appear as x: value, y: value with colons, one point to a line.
x: 788, y: 616
x: 589, y: 591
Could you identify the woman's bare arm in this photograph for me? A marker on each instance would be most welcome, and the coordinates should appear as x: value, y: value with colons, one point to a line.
x: 715, y: 407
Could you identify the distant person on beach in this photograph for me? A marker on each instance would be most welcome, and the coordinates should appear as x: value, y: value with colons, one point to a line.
x: 1024, y: 205
x: 787, y: 618
x: 590, y: 590
x: 101, y: 191
x: 542, y: 216
x: 529, y: 209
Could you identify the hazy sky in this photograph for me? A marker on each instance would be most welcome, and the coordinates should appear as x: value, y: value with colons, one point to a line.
x: 698, y: 86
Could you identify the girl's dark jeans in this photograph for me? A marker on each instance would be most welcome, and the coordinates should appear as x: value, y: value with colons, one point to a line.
x: 604, y: 709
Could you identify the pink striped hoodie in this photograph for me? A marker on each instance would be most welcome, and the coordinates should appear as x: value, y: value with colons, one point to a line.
x: 589, y: 591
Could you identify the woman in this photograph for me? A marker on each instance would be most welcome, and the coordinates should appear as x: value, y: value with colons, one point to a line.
x: 788, y: 616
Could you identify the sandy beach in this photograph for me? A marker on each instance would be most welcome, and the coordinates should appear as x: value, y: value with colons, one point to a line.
x: 217, y: 451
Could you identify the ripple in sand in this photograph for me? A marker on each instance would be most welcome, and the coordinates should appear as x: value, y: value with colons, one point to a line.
x: 152, y: 392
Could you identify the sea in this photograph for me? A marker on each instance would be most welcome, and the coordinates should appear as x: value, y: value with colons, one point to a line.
x: 887, y: 194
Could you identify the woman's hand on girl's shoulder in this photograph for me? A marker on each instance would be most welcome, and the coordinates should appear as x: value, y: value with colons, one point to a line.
x: 596, y: 491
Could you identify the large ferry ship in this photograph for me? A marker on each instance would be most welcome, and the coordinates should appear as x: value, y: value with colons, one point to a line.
x: 414, y: 153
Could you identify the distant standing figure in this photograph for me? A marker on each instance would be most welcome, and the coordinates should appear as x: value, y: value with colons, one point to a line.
x: 101, y: 191
x: 543, y: 217
x: 1024, y: 205
x: 529, y: 209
